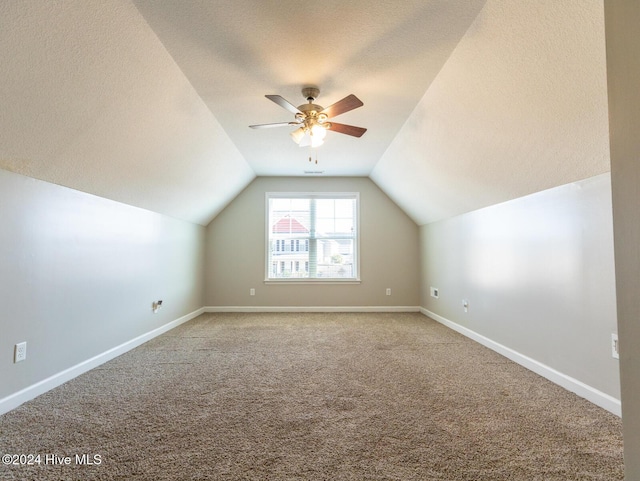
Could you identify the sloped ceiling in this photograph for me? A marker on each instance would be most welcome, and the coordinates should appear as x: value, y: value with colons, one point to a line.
x: 519, y: 107
x: 148, y: 103
x: 90, y: 99
x: 384, y: 51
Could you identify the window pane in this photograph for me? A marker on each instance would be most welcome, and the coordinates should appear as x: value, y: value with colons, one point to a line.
x: 312, y: 237
x: 344, y: 226
x: 325, y: 207
x: 324, y: 227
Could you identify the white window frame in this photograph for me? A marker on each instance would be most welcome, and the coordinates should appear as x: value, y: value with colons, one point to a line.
x: 321, y: 280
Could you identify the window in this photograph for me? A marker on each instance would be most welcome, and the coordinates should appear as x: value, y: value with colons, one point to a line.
x: 319, y: 231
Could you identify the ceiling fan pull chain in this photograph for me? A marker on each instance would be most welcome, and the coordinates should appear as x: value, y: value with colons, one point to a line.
x: 311, y: 155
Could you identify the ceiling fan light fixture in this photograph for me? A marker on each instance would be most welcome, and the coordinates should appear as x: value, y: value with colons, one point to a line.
x: 316, y: 142
x: 318, y: 133
x: 309, y: 135
x: 297, y: 135
x: 306, y: 140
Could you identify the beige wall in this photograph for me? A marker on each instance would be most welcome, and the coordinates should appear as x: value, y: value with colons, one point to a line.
x: 538, y: 274
x: 622, y: 18
x: 235, y: 254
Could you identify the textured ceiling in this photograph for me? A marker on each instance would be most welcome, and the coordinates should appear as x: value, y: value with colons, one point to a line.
x: 92, y: 100
x: 519, y: 107
x: 385, y: 52
x: 149, y: 102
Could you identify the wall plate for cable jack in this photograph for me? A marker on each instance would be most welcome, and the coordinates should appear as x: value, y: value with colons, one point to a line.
x: 615, y: 347
x: 20, y: 352
x: 156, y: 305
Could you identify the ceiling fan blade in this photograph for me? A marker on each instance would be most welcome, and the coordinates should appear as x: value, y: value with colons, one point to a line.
x: 347, y: 129
x: 341, y: 106
x: 268, y: 126
x: 285, y: 104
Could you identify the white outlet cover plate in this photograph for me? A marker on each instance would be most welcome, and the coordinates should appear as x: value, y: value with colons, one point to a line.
x: 615, y: 347
x: 20, y: 352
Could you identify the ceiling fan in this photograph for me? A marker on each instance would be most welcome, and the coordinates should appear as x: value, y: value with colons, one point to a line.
x: 312, y: 120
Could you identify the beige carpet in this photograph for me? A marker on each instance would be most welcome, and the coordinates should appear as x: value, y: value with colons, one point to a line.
x: 313, y: 397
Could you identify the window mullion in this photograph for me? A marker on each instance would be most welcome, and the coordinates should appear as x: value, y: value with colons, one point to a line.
x: 313, y: 241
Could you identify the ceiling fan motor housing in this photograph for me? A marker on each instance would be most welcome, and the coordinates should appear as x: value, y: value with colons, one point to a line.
x: 310, y: 108
x: 310, y: 93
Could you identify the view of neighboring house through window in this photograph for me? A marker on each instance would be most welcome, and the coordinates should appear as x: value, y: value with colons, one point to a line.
x: 312, y: 236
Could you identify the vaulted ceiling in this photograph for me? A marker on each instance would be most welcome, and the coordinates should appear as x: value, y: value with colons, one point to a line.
x: 467, y: 102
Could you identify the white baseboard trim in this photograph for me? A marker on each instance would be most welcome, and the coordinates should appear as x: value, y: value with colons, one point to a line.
x: 312, y: 309
x: 583, y: 390
x: 16, y: 399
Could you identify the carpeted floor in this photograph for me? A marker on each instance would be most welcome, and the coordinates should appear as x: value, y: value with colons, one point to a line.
x: 312, y: 397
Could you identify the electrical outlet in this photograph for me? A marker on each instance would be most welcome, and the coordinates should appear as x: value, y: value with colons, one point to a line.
x: 252, y: 292
x: 20, y: 352
x: 615, y: 347
x: 388, y: 291
x: 434, y: 292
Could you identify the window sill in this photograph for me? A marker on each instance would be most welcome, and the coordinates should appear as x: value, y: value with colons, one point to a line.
x: 312, y: 281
